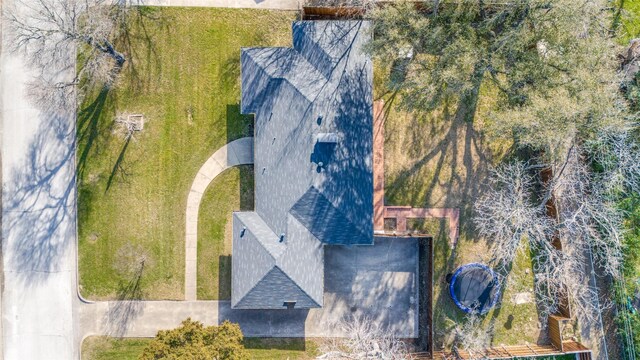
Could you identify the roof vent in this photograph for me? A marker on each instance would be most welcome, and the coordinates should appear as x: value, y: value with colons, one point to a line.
x: 282, y: 237
x: 289, y: 304
x: 244, y: 228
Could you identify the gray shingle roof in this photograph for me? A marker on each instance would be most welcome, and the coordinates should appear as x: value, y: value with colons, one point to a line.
x: 312, y: 162
x: 325, y: 221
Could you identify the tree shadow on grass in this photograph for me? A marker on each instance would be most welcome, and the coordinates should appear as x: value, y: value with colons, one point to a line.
x: 92, y: 129
x: 138, y: 43
x: 128, y: 306
x: 457, y: 164
x: 118, y: 165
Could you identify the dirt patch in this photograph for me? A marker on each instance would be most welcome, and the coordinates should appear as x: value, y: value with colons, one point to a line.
x: 92, y: 238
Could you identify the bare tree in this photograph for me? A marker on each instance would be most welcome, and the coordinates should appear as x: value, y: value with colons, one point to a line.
x: 365, y: 340
x: 588, y: 213
x: 507, y: 214
x: 472, y: 336
x: 49, y: 32
x: 588, y: 222
x: 131, y: 260
x: 618, y: 154
x: 129, y: 124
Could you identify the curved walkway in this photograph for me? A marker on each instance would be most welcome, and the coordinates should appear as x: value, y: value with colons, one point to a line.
x: 237, y: 152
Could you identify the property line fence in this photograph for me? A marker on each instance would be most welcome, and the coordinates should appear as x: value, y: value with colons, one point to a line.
x: 624, y: 314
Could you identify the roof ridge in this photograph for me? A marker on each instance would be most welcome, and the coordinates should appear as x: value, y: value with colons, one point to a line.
x: 336, y: 209
x: 296, y: 284
x: 299, y: 57
x: 272, y: 255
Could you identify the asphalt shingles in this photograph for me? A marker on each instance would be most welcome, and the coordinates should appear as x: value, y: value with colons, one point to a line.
x: 308, y: 192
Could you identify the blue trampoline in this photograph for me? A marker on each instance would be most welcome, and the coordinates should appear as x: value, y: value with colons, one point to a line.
x: 474, y: 288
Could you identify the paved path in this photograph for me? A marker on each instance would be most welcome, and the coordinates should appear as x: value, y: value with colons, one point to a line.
x: 237, y: 152
x: 39, y: 297
x: 249, y: 4
x: 378, y: 165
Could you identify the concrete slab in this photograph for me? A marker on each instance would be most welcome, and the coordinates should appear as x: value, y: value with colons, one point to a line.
x: 243, y: 150
x: 214, y: 165
x: 378, y: 282
x: 220, y: 157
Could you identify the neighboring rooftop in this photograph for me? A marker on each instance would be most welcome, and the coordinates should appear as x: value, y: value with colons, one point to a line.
x: 312, y: 162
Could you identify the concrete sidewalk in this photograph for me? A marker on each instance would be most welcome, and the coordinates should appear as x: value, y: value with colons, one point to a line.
x: 245, y: 4
x: 237, y: 152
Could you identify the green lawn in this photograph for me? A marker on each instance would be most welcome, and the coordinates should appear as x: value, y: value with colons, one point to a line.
x: 182, y: 74
x: 627, y: 20
x: 281, y: 348
x: 214, y: 230
x: 105, y: 348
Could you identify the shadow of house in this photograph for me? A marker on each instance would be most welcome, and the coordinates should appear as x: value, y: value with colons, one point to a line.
x: 312, y: 161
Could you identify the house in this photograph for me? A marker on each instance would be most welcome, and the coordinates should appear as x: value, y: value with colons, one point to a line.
x: 313, y: 163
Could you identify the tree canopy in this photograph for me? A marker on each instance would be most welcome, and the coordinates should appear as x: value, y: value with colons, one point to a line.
x: 552, y: 67
x: 552, y: 62
x: 192, y: 340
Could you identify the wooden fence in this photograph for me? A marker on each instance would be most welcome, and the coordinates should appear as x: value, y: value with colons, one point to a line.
x: 509, y: 352
x: 556, y: 323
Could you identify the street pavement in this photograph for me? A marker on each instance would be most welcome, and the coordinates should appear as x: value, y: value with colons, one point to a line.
x: 38, y: 222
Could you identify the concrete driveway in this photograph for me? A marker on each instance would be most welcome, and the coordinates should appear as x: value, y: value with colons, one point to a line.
x: 379, y: 282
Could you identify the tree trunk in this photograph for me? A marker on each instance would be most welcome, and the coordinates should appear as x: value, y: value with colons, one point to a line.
x: 116, y: 55
x: 469, y: 99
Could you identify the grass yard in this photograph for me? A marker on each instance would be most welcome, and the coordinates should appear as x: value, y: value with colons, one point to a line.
x: 627, y: 19
x: 214, y: 230
x: 281, y: 348
x: 438, y: 160
x: 106, y: 348
x: 182, y: 74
